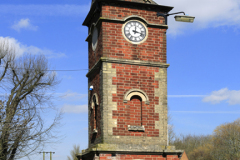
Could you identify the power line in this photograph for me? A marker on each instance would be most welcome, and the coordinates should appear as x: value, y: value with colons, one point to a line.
x: 58, y: 70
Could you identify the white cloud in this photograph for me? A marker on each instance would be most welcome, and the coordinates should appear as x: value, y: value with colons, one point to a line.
x: 208, y: 13
x: 45, y: 10
x: 75, y: 108
x: 231, y: 96
x: 69, y: 95
x: 24, y: 24
x: 207, y: 112
x: 67, y: 77
x: 21, y: 49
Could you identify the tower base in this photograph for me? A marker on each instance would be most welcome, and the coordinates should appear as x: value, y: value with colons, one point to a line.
x: 116, y: 152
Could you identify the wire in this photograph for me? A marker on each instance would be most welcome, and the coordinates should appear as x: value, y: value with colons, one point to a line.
x: 57, y: 70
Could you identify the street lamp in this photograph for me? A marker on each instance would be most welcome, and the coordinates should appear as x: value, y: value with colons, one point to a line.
x: 180, y: 18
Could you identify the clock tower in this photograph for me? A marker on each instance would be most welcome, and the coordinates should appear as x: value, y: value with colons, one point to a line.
x: 127, y: 81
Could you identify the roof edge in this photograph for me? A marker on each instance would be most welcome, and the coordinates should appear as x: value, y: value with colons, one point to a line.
x: 156, y: 7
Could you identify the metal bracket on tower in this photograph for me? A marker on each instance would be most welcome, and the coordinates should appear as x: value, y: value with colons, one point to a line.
x: 165, y: 15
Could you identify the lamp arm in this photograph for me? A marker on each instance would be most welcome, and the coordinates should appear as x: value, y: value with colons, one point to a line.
x: 175, y: 13
x: 166, y: 15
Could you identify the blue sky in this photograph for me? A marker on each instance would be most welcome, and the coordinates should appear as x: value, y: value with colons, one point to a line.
x: 203, y: 77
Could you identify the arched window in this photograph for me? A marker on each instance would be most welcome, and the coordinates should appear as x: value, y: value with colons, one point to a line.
x: 135, y: 99
x: 94, y: 107
x: 135, y: 107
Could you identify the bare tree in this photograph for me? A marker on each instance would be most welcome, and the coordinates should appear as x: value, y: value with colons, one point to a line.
x: 171, y: 133
x: 26, y: 82
x: 196, y: 147
x: 74, y: 152
x: 226, y: 141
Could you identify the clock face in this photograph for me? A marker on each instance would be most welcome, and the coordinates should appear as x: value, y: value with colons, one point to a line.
x: 135, y: 31
x: 94, y: 38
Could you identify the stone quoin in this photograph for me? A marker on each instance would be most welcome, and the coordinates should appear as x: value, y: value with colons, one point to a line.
x: 128, y: 77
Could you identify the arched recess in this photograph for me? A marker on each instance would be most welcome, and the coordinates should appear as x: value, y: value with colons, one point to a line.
x: 92, y: 27
x: 136, y: 92
x: 94, y: 107
x: 94, y: 100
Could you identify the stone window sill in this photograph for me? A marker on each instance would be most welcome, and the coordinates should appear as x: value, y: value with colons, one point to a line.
x: 94, y: 131
x: 136, y: 128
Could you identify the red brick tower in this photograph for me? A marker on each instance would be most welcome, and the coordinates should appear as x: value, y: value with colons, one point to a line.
x: 128, y: 81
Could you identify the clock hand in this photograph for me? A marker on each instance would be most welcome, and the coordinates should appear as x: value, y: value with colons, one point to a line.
x: 135, y: 29
x: 136, y: 32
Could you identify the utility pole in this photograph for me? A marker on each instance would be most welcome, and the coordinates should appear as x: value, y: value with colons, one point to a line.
x: 47, y: 153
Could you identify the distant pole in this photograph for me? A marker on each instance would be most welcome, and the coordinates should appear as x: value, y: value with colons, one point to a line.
x: 43, y: 155
x: 47, y: 153
x: 50, y: 155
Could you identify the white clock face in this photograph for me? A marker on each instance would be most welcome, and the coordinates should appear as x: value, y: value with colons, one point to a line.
x: 94, y: 38
x: 135, y: 31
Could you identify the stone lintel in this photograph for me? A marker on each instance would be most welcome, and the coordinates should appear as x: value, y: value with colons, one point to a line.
x: 125, y: 61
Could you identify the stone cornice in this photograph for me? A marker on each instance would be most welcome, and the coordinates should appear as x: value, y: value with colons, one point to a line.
x: 126, y: 61
x: 153, y: 7
x: 133, y: 149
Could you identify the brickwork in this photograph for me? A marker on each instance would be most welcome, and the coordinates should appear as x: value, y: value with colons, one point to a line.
x: 116, y: 46
x: 134, y: 112
x: 129, y: 119
x: 135, y: 77
x: 111, y: 42
x: 94, y: 111
x: 117, y: 80
x: 116, y: 12
x: 94, y: 56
